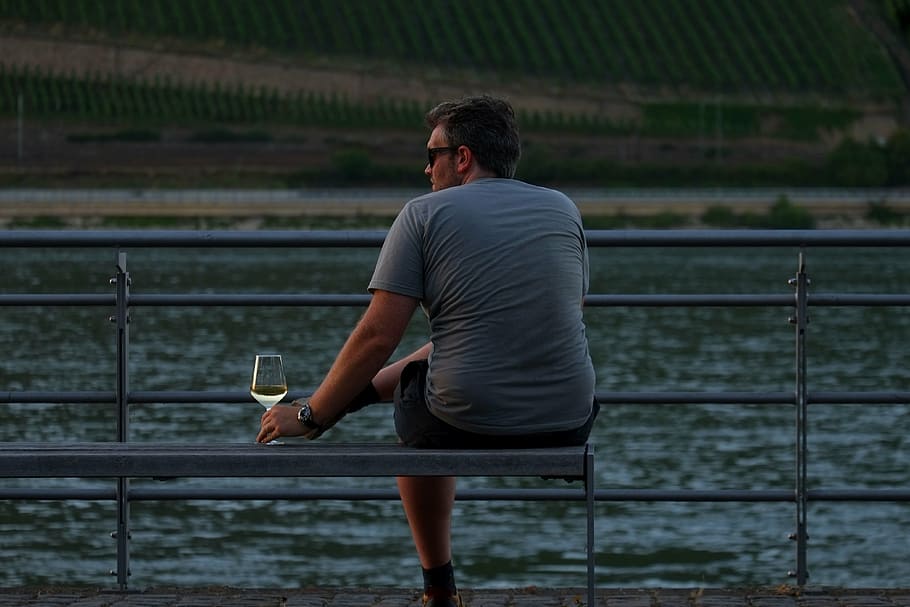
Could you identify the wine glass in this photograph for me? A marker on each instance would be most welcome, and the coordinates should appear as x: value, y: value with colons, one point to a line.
x: 268, y: 385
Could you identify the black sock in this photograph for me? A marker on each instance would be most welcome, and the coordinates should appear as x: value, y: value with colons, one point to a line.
x: 442, y: 577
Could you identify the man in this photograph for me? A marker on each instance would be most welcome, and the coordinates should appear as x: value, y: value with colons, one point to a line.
x: 500, y: 268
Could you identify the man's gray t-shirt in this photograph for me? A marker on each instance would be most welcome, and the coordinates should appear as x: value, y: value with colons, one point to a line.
x: 501, y: 270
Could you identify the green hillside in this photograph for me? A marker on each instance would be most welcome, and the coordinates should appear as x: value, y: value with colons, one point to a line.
x: 708, y: 45
x: 731, y: 73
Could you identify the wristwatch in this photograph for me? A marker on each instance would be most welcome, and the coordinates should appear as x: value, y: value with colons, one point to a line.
x: 305, y: 417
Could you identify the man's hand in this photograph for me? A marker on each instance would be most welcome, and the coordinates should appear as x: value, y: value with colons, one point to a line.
x: 280, y: 420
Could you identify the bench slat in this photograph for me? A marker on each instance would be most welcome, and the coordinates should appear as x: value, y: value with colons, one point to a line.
x: 324, y: 459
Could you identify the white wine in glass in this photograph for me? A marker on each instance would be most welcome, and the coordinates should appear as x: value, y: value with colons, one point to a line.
x: 269, y: 385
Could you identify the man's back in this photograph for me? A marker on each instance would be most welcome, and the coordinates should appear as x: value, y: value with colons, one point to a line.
x: 500, y: 267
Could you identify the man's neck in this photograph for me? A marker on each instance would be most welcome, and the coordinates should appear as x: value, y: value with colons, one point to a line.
x: 477, y: 173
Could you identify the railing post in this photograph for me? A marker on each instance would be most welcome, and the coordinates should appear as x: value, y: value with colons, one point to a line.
x: 121, y: 282
x: 801, y: 321
x: 589, y: 511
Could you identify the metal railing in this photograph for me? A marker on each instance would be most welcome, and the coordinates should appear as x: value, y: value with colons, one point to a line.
x: 800, y: 398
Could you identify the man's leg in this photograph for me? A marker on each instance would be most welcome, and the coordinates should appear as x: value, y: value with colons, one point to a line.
x: 428, y: 503
x: 427, y: 500
x: 387, y: 378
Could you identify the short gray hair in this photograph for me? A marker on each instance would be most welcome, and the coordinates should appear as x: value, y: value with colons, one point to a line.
x: 484, y: 124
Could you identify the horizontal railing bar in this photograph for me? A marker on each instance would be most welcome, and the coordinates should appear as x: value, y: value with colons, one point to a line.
x: 696, y: 398
x: 189, y: 396
x: 252, y: 299
x: 743, y: 238
x: 57, y: 299
x: 191, y: 238
x: 692, y: 495
x: 600, y: 495
x: 612, y: 398
x: 737, y: 495
x: 687, y: 300
x: 604, y: 495
x: 58, y: 493
x: 594, y: 300
x: 880, y: 397
x: 56, y: 397
x: 374, y: 238
x: 153, y: 494
x: 344, y: 299
x: 858, y: 299
x: 860, y: 495
x: 252, y: 493
x: 137, y: 397
x: 234, y: 396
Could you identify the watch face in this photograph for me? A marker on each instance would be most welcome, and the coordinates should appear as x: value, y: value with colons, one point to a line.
x: 305, y: 416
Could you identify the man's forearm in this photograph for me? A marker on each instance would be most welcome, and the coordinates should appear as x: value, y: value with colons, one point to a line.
x: 386, y: 380
x: 369, y: 346
x: 359, y: 360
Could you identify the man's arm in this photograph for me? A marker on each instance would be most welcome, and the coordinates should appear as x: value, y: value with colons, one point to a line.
x: 387, y: 379
x: 366, y: 350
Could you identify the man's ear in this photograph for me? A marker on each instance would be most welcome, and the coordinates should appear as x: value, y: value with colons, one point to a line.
x: 464, y: 159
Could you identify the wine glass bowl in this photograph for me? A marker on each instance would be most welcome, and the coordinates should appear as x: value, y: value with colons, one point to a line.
x: 268, y: 385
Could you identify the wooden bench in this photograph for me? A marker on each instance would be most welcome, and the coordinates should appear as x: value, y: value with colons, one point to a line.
x: 318, y: 459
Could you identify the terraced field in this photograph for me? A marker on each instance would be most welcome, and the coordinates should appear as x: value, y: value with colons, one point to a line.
x: 654, y: 81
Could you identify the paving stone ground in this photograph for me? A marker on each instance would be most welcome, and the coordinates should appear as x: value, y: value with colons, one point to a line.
x: 781, y: 596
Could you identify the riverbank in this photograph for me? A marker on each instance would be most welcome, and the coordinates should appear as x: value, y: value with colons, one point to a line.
x: 251, y: 209
x: 781, y: 596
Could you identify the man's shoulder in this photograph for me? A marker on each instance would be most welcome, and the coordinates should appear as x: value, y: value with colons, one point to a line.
x: 482, y: 189
x: 485, y: 184
x: 528, y: 189
x: 428, y: 199
x: 427, y: 203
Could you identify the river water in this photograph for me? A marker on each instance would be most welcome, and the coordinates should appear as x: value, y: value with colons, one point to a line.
x: 275, y: 543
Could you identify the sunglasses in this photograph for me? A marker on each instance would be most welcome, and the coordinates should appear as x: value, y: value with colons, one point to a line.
x: 433, y: 153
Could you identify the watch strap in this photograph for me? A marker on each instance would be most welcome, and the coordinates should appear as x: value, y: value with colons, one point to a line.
x: 311, y: 429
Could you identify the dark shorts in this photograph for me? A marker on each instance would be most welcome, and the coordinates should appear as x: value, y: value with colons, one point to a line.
x: 417, y: 427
